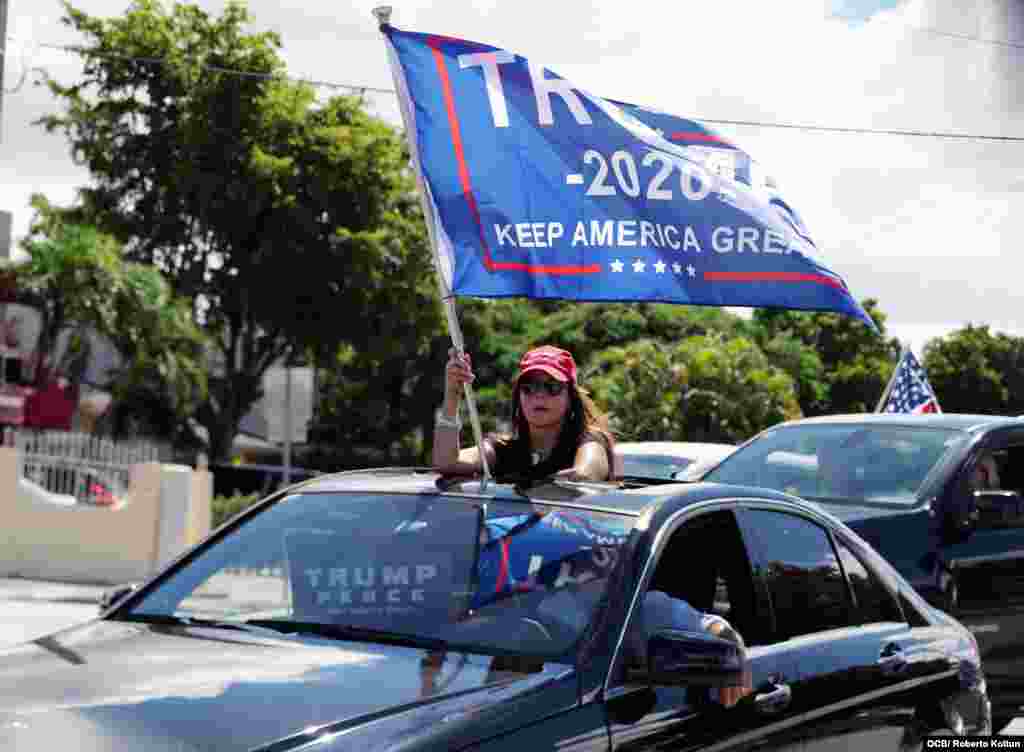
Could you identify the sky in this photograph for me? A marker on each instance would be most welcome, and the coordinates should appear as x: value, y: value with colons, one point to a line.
x: 928, y: 226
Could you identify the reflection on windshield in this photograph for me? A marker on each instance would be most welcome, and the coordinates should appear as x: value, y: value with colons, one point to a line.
x: 841, y: 462
x: 653, y: 466
x: 501, y: 578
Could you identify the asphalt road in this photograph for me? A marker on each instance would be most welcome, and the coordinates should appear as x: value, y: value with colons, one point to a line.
x: 22, y: 621
x: 31, y: 609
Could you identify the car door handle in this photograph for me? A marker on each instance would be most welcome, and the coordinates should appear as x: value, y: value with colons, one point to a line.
x: 892, y: 659
x: 773, y: 698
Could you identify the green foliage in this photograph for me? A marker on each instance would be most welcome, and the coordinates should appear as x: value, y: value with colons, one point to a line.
x: 284, y: 221
x: 643, y: 387
x: 224, y: 508
x: 855, y: 363
x: 705, y: 388
x: 975, y: 371
x: 76, y: 277
x: 72, y: 276
x: 498, y: 332
x: 377, y: 407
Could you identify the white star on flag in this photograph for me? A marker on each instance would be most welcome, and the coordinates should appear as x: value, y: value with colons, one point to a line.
x: 691, y: 271
x: 639, y: 266
x: 617, y: 265
x: 659, y: 266
x: 677, y: 268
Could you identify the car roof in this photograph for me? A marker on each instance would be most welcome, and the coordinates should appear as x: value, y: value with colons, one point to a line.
x: 673, y: 448
x: 610, y: 497
x: 959, y: 421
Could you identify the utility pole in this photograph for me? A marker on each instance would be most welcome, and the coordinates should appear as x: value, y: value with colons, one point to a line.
x: 286, y: 480
x: 6, y: 248
x: 4, y: 44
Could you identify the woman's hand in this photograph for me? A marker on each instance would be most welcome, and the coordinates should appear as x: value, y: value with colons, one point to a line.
x: 457, y: 372
x: 446, y: 455
x: 729, y: 696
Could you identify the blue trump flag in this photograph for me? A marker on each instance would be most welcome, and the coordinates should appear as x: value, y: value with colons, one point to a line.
x: 538, y: 189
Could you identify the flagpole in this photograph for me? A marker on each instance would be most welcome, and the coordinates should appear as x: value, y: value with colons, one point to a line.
x: 383, y: 15
x: 892, y: 379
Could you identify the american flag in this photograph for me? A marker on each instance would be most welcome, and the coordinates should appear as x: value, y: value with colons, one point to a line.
x: 910, y: 391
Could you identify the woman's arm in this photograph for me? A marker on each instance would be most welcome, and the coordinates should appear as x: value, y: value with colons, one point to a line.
x: 461, y: 461
x: 446, y: 456
x: 591, y: 463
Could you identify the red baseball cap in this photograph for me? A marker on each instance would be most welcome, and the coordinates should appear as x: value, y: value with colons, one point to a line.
x: 555, y: 362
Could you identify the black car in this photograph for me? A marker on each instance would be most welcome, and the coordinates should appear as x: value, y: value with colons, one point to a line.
x: 937, y: 495
x: 382, y: 610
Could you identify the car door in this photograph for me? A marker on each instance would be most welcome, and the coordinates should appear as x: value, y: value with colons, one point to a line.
x: 860, y: 668
x: 987, y: 566
x: 705, y: 562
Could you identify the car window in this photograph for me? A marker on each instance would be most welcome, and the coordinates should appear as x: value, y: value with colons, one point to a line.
x: 1011, y: 468
x: 802, y: 572
x: 998, y: 468
x: 872, y: 600
x: 705, y: 563
x: 497, y: 577
x: 841, y: 461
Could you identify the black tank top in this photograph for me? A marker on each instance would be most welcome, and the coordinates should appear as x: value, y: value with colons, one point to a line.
x: 513, y: 459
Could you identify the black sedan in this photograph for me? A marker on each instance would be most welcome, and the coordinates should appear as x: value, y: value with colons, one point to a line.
x: 939, y: 496
x: 392, y: 609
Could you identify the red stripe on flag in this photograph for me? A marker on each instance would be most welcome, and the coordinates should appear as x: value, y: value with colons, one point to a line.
x: 698, y: 136
x: 519, y: 266
x: 503, y: 572
x: 460, y: 154
x: 467, y: 187
x: 820, y: 279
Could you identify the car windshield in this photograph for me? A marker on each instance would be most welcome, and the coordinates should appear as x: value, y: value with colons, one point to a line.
x: 844, y: 462
x: 496, y: 578
x: 661, y: 466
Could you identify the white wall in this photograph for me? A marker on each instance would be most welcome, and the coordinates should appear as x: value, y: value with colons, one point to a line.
x: 166, y: 512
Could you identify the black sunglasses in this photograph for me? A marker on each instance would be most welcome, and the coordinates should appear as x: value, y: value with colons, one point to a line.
x: 553, y: 388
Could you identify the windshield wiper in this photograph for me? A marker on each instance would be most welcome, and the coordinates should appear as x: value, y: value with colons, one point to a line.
x: 253, y: 627
x: 383, y: 636
x: 348, y: 632
x: 286, y: 627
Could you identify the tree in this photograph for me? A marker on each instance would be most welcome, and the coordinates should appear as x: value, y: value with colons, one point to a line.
x: 975, y: 371
x: 855, y: 362
x: 643, y: 389
x: 76, y: 278
x: 705, y: 388
x: 500, y: 331
x: 71, y: 278
x: 283, y: 220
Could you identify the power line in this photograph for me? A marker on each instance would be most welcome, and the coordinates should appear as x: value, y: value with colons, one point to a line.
x: 218, y: 69
x: 230, y: 71
x: 938, y: 32
x: 868, y: 131
x: 750, y: 123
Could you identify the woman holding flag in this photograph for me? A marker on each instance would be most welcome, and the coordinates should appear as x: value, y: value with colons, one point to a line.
x: 558, y: 430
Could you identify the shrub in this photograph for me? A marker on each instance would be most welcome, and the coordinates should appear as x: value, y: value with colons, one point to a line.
x: 226, y: 507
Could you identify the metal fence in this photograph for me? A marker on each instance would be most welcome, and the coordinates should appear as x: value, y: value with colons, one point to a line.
x: 87, y: 468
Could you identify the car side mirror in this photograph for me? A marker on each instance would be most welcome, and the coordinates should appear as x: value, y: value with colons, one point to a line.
x: 998, y: 509
x: 111, y: 597
x: 677, y: 658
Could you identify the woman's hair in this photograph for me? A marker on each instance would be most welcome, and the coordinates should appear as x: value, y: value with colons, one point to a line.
x: 583, y: 417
